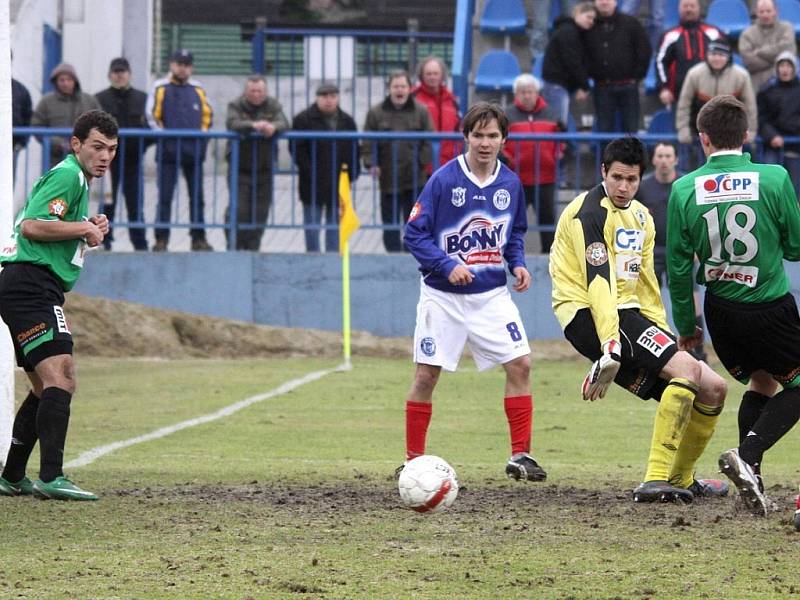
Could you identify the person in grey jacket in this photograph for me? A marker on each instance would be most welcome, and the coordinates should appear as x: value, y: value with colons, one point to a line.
x: 62, y: 107
x: 254, y: 113
x: 398, y: 165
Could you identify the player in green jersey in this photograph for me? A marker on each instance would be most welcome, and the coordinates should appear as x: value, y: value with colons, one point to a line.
x: 741, y: 219
x: 41, y: 262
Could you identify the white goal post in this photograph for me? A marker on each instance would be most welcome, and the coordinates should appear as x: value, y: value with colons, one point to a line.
x: 6, y: 220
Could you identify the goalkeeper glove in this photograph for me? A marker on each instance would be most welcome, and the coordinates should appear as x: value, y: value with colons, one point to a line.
x: 602, y: 373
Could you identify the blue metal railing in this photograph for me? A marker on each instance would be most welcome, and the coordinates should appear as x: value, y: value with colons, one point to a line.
x: 578, y: 169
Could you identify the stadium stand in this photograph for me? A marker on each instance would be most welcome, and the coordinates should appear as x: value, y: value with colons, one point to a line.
x: 789, y: 10
x: 496, y: 71
x: 731, y: 16
x: 663, y: 122
x: 505, y: 17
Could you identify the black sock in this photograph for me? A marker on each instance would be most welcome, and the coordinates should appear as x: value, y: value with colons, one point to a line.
x: 749, y: 412
x: 778, y: 417
x: 23, y: 439
x: 52, y: 421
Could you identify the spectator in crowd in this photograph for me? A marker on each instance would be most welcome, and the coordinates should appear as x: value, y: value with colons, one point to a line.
x: 129, y: 107
x: 564, y: 68
x: 536, y: 162
x: 62, y: 107
x: 319, y: 163
x: 681, y: 48
x: 762, y: 42
x: 654, y: 194
x: 779, y: 116
x: 401, y: 165
x: 442, y: 105
x: 179, y: 102
x: 21, y: 113
x: 618, y: 55
x: 714, y: 77
x: 254, y: 113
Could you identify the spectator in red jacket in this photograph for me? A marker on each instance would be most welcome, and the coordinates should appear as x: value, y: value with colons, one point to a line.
x: 442, y: 105
x: 536, y: 162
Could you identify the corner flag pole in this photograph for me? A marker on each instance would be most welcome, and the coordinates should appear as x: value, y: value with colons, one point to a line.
x: 348, y: 223
x: 6, y: 220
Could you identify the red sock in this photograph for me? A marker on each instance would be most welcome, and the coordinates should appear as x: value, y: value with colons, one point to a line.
x: 519, y: 411
x: 418, y: 416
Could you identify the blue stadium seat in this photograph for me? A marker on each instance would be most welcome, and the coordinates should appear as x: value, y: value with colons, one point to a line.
x: 789, y: 10
x: 663, y: 121
x: 503, y: 17
x: 538, y: 64
x: 671, y: 16
x: 731, y: 16
x: 651, y: 79
x: 496, y: 71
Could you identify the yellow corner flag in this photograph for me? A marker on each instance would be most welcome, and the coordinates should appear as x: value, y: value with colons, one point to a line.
x: 348, y: 219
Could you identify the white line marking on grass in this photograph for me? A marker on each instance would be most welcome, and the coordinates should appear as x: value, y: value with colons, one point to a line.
x: 92, y: 455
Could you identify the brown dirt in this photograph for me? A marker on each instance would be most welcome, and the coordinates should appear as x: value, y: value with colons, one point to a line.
x: 111, y: 328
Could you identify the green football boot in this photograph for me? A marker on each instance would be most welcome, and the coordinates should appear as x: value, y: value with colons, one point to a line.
x: 60, y: 488
x: 23, y: 487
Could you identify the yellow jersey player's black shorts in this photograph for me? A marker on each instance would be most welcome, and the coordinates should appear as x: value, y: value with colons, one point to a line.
x: 752, y: 336
x: 646, y: 348
x: 31, y: 304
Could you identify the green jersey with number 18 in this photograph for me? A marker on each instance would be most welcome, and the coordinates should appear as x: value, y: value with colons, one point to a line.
x: 61, y: 194
x: 741, y: 219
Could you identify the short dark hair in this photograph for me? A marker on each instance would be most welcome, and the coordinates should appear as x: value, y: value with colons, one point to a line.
x: 667, y: 143
x: 724, y: 120
x: 481, y: 114
x: 95, y: 119
x: 628, y: 150
x: 396, y: 74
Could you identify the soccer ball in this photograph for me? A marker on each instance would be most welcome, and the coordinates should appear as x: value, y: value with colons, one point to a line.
x: 428, y: 484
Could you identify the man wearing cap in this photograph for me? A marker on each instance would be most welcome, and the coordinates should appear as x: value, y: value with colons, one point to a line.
x: 128, y: 106
x: 256, y: 117
x: 180, y: 102
x: 319, y: 163
x: 61, y: 108
x: 714, y: 77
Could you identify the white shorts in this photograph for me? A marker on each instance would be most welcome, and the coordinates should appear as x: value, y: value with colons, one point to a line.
x: 489, y: 322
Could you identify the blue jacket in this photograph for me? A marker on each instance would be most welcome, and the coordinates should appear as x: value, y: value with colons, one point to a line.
x: 180, y: 106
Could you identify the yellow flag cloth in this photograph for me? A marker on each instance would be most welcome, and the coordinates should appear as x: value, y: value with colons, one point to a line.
x: 348, y: 219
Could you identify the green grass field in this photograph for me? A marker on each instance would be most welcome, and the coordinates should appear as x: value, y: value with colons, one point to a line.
x: 295, y: 496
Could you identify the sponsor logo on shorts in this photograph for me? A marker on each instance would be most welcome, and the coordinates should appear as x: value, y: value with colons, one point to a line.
x: 628, y: 267
x: 31, y: 334
x: 428, y: 346
x: 57, y: 207
x: 478, y: 242
x: 61, y: 320
x: 726, y: 187
x: 732, y: 273
x: 415, y: 212
x: 501, y: 199
x: 654, y: 340
x: 629, y: 239
x: 459, y: 196
x: 596, y: 254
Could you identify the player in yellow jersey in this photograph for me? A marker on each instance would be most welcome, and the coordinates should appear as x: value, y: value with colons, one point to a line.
x: 607, y: 299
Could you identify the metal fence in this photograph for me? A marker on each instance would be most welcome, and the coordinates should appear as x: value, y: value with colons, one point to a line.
x: 290, y: 221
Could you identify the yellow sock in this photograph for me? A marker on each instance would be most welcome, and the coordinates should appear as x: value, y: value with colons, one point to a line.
x: 701, y: 426
x: 672, y: 418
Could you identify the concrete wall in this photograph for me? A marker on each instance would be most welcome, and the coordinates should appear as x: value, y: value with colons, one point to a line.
x: 290, y: 290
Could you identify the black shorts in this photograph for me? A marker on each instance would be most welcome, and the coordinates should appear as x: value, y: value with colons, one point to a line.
x: 31, y: 304
x: 646, y: 349
x: 748, y: 337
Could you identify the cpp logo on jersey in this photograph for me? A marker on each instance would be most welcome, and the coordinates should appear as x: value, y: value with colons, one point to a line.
x: 654, y: 340
x: 501, y: 199
x: 459, y: 196
x: 631, y: 240
x: 478, y: 242
x: 726, y: 187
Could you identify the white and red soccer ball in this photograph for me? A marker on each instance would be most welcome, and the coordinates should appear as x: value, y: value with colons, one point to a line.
x: 428, y: 484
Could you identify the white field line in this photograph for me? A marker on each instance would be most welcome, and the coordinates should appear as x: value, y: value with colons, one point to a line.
x: 93, y: 454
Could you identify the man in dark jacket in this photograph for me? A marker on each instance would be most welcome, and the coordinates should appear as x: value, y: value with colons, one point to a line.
x: 179, y: 102
x: 127, y: 106
x: 779, y: 116
x: 21, y: 112
x: 618, y: 55
x: 254, y: 113
x: 319, y: 163
x: 400, y: 166
x: 681, y: 48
